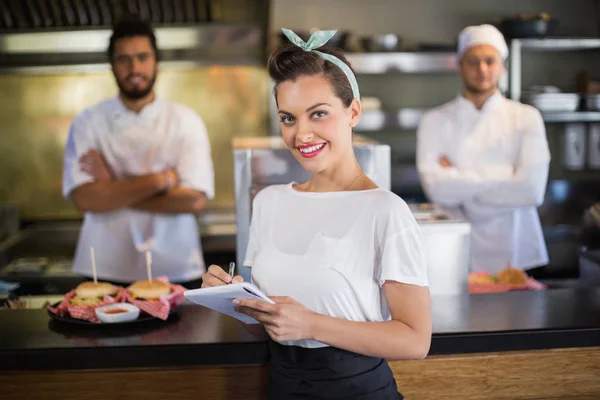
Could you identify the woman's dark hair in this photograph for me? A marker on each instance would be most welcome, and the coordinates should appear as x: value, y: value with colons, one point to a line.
x: 290, y: 62
x: 129, y: 26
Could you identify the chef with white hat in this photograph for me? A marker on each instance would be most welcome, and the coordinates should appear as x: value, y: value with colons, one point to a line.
x: 489, y: 156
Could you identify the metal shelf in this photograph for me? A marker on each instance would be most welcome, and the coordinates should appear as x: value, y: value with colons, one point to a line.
x: 549, y: 44
x: 572, y: 116
x: 558, y: 44
x: 378, y: 120
x: 403, y: 62
x: 409, y: 118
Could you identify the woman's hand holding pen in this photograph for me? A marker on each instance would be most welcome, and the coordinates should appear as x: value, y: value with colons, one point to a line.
x: 215, y: 276
x: 285, y: 320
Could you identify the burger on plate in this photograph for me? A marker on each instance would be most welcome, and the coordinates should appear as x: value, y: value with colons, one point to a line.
x: 90, y: 293
x: 149, y: 290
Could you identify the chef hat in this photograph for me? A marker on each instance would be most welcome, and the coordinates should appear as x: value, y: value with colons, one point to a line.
x: 481, y: 34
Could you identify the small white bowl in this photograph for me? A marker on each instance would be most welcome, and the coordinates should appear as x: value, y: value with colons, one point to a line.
x: 104, y: 315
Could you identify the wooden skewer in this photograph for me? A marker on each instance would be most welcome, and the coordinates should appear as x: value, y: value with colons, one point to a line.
x: 149, y: 265
x: 93, y: 257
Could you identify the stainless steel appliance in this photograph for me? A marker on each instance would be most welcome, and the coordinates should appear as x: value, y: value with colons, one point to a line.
x: 446, y: 237
x: 574, y: 146
x: 594, y: 145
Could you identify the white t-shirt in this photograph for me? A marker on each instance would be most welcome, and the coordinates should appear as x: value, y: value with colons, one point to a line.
x: 163, y: 135
x: 333, y: 251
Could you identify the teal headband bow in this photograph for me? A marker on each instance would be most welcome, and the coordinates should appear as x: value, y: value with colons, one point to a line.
x: 316, y: 40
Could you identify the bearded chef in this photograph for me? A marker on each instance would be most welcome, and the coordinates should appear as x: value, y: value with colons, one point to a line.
x: 139, y: 167
x: 489, y: 156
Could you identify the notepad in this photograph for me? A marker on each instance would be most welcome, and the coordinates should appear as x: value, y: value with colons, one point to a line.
x: 220, y: 298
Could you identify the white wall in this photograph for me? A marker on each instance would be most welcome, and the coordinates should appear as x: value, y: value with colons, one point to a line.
x: 427, y: 20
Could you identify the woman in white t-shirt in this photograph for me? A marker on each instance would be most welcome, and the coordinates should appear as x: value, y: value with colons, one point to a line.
x: 342, y: 259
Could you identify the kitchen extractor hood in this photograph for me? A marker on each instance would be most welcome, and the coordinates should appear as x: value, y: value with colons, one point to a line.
x: 18, y: 15
x: 50, y: 34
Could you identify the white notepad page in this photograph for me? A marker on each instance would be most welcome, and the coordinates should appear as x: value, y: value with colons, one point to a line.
x: 220, y: 298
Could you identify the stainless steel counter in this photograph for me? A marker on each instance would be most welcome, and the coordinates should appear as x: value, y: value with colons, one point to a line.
x: 43, y: 252
x: 40, y: 256
x: 219, y: 222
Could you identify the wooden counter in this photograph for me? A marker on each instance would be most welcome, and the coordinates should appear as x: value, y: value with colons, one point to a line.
x: 525, y: 345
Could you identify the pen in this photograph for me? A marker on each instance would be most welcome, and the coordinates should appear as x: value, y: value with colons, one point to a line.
x: 231, y: 269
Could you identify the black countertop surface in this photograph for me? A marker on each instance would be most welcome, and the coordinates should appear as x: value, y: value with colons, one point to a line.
x: 30, y: 340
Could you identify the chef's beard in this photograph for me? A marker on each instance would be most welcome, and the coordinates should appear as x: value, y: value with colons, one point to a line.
x: 136, y: 94
x: 478, y: 91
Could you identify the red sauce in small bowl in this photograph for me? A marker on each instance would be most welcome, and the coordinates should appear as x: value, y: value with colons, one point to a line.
x: 115, y: 311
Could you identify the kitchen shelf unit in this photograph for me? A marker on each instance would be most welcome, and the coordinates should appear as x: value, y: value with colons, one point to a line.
x: 408, y: 119
x: 518, y: 46
x: 402, y: 119
x: 390, y: 64
x: 403, y: 62
x: 572, y: 116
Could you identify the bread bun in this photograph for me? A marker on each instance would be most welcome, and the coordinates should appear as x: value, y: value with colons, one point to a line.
x: 149, y: 290
x: 512, y: 276
x: 90, y: 293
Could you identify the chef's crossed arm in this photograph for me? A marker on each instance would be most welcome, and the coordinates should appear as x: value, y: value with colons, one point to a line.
x: 527, y: 186
x: 443, y: 183
x: 195, y: 173
x: 88, y: 182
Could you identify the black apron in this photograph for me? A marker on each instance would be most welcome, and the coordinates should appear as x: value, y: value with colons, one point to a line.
x: 328, y: 373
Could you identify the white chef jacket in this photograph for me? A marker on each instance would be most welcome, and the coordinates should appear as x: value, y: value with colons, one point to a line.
x: 500, y: 161
x: 163, y: 135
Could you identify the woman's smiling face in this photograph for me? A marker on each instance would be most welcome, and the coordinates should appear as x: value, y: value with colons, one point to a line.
x: 315, y: 124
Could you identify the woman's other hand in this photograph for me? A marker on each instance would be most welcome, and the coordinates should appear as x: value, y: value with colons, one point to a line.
x: 285, y: 320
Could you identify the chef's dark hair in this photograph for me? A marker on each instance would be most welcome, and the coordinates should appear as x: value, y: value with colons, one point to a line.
x: 290, y: 62
x: 129, y: 26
